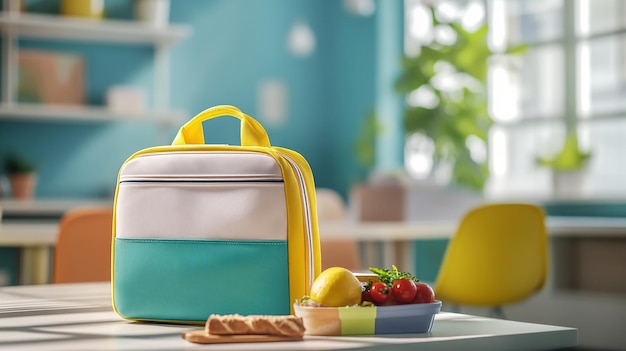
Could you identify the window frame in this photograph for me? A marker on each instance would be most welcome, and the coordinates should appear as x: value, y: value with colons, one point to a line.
x: 573, y: 118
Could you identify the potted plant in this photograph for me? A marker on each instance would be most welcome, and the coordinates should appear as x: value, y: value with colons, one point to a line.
x: 451, y: 115
x: 21, y: 174
x: 569, y: 167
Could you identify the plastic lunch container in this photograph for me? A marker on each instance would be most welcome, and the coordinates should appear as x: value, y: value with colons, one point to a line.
x: 397, y: 319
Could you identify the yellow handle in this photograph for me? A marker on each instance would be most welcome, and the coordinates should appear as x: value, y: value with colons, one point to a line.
x: 252, y: 132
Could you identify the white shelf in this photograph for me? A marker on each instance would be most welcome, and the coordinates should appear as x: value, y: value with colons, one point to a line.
x: 15, y: 25
x: 68, y: 28
x: 33, y: 112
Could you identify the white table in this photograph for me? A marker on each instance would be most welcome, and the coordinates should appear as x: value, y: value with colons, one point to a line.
x: 79, y: 317
x: 406, y: 231
x: 394, y: 238
x: 46, y: 207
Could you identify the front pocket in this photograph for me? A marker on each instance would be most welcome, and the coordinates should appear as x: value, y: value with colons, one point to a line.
x: 187, y: 280
x: 240, y: 210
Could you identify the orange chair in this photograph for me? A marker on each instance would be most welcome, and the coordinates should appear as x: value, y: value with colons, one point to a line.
x: 83, y: 249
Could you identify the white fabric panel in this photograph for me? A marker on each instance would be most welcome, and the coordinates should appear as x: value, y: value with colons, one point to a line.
x: 194, y: 165
x: 202, y: 210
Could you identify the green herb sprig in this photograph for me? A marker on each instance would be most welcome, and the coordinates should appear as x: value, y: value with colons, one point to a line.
x: 389, y: 276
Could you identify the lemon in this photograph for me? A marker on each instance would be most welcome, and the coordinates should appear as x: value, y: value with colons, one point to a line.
x: 336, y: 287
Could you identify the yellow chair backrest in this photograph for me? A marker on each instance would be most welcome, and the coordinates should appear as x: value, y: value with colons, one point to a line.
x: 498, y: 255
x: 83, y: 248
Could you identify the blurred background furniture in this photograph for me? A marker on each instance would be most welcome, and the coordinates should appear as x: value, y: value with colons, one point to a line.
x: 499, y: 255
x: 83, y: 249
x: 336, y: 252
x: 379, y: 202
x: 31, y: 227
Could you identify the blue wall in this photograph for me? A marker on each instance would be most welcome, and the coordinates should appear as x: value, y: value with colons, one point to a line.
x: 235, y: 44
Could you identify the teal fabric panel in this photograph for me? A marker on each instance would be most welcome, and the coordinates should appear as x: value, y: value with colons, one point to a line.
x: 604, y: 209
x: 187, y: 280
x: 9, y: 265
x: 428, y: 257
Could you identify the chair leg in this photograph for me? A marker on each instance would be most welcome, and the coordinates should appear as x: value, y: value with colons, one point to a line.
x: 497, y: 312
x: 454, y: 308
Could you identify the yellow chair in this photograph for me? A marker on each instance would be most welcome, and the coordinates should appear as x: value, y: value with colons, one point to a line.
x: 83, y: 249
x: 499, y: 255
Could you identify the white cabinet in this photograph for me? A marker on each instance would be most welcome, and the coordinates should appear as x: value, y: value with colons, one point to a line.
x: 15, y: 25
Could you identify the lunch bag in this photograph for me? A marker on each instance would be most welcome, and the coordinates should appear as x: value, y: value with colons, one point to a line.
x: 201, y: 229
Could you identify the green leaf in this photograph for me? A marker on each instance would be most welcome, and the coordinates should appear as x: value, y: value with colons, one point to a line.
x: 516, y: 50
x: 15, y: 163
x: 389, y: 276
x: 365, y: 145
x: 458, y: 115
x: 569, y: 158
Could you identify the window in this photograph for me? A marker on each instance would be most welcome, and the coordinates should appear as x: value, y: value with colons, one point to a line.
x: 572, y: 75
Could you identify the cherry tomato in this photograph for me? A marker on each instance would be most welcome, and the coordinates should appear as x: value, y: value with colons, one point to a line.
x: 391, y: 301
x: 379, y: 292
x: 366, y: 296
x: 403, y: 290
x: 424, y: 293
